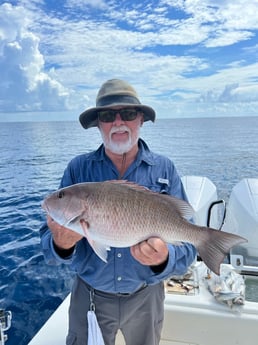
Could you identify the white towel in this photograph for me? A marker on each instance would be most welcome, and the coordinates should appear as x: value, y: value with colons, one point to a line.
x: 94, y: 332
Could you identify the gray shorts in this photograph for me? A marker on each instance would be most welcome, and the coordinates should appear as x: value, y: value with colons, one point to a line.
x: 139, y: 316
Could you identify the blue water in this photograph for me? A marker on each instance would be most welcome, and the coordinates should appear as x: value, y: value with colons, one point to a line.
x: 33, y: 157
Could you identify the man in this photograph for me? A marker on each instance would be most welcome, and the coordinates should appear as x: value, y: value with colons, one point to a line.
x: 128, y: 290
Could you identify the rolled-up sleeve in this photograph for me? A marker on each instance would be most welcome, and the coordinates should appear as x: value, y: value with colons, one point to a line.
x: 180, y: 258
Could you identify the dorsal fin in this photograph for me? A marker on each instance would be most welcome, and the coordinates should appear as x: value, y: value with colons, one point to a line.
x: 182, y: 207
x: 129, y: 184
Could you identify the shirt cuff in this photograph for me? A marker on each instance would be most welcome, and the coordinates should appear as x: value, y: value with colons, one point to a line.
x: 64, y: 259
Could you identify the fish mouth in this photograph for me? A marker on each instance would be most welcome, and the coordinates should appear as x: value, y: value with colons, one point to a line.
x: 44, y: 206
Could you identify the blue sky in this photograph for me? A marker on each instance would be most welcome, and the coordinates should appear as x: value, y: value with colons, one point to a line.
x: 192, y: 58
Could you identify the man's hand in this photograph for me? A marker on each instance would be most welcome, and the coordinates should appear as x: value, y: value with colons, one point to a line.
x: 63, y: 238
x: 152, y: 252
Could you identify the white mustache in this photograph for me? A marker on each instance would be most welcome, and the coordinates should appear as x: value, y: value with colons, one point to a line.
x: 122, y: 128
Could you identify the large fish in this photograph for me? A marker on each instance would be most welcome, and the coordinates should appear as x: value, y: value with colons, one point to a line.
x: 122, y: 214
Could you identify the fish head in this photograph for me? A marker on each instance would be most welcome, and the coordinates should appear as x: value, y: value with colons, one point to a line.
x: 64, y: 206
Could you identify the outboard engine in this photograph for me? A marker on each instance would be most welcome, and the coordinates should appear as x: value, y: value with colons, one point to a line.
x: 242, y: 219
x: 202, y: 195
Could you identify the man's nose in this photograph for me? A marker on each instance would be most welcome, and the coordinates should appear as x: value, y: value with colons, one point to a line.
x: 118, y: 118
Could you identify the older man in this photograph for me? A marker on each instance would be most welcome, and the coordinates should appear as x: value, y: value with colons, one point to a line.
x: 128, y: 290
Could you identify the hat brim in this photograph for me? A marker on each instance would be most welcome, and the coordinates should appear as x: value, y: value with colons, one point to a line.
x: 89, y: 117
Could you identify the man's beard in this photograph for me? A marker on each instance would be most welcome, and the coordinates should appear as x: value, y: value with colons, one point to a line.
x: 120, y: 147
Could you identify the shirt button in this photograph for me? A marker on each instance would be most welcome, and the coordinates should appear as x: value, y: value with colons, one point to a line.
x: 119, y: 255
x: 119, y: 278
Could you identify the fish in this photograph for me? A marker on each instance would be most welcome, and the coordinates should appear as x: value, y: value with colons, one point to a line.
x: 228, y: 288
x: 119, y: 213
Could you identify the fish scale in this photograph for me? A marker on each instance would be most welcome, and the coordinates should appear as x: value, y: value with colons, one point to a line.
x: 122, y: 214
x: 128, y: 209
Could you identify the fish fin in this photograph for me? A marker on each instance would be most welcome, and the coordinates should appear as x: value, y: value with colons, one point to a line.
x: 181, y: 206
x: 129, y: 184
x: 99, y: 248
x: 216, y: 246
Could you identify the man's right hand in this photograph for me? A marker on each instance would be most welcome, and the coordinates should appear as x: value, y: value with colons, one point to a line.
x: 63, y: 237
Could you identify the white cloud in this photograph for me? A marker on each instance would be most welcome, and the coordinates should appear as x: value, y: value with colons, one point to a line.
x: 233, y: 93
x: 58, y: 58
x: 224, y: 38
x: 24, y: 85
x: 81, y: 4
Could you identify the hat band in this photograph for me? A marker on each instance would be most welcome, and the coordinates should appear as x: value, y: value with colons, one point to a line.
x: 116, y: 99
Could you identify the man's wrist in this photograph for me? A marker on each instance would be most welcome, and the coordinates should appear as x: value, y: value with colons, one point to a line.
x: 63, y: 252
x: 159, y: 268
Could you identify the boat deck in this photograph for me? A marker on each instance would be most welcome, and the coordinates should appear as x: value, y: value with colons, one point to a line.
x: 190, y: 319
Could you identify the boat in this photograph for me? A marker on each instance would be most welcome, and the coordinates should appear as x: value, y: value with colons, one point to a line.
x: 196, y: 314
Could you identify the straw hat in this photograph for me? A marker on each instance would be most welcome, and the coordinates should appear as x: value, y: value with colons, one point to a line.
x: 113, y: 93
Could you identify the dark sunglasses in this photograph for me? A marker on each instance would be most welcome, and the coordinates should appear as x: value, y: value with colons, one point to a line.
x: 109, y: 115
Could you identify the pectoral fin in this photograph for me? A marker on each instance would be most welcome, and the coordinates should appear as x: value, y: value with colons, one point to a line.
x: 99, y: 248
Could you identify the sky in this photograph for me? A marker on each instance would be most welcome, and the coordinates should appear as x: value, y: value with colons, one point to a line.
x: 185, y: 58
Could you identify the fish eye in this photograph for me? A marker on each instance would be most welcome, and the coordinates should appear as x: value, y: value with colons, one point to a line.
x: 60, y: 195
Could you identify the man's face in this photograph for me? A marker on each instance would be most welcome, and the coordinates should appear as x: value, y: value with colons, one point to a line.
x: 120, y: 136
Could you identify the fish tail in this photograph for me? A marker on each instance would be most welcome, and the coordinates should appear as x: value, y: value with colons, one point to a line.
x: 216, y: 246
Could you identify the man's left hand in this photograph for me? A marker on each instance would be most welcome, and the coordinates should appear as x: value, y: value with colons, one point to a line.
x: 152, y: 252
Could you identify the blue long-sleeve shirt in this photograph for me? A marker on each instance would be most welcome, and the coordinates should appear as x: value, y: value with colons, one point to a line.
x: 122, y: 273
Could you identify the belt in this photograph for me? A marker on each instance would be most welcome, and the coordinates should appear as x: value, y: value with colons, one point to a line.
x: 118, y: 294
x: 129, y: 293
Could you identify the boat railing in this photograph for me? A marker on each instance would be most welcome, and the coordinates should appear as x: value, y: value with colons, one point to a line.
x: 210, y: 212
x: 5, y: 324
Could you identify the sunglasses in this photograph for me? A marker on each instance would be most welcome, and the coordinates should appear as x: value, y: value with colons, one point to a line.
x: 109, y: 115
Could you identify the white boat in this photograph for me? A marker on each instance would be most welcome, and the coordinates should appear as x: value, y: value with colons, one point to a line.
x: 193, y: 315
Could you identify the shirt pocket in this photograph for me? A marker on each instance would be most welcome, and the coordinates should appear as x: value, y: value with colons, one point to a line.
x: 161, y: 188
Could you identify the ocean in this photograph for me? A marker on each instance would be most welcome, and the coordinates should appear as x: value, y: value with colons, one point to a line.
x: 33, y: 157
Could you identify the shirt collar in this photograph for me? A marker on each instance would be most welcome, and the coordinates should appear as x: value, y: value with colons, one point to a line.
x: 144, y: 153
